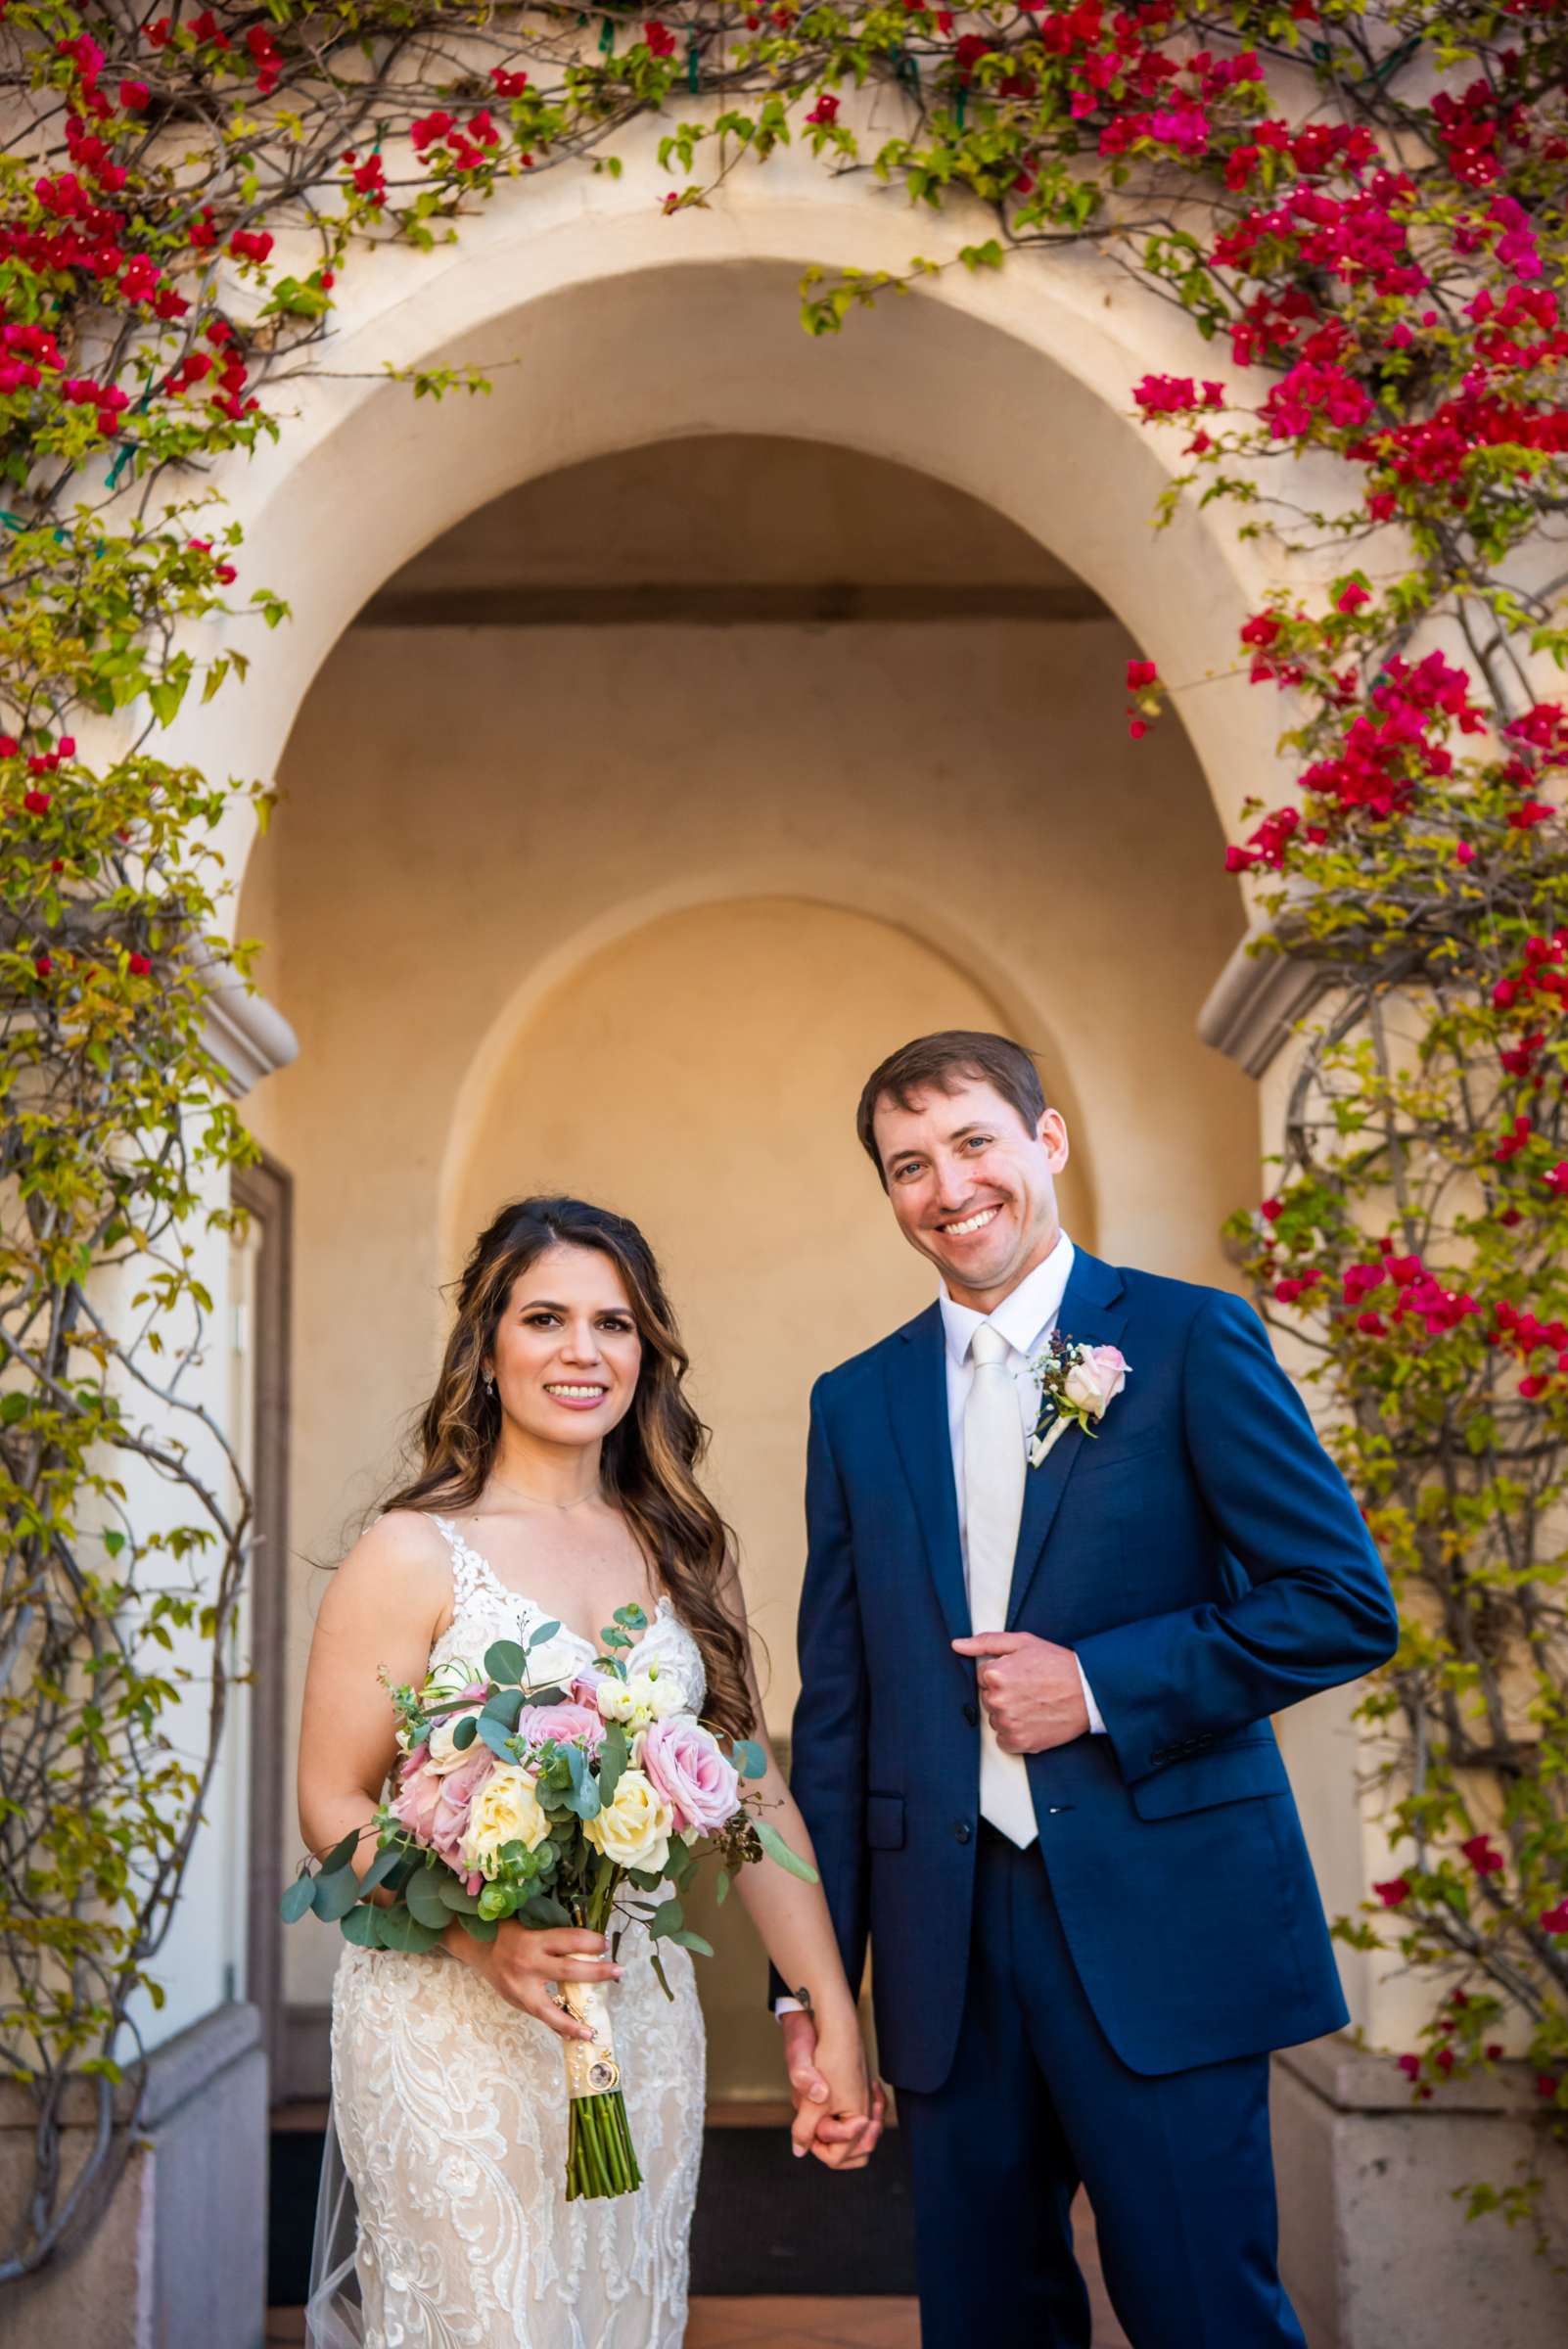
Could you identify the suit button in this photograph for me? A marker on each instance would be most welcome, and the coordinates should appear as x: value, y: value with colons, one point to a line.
x: 963, y: 1831
x: 972, y: 1715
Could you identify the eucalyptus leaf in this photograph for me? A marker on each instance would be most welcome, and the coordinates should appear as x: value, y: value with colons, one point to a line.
x: 692, y: 1941
x: 660, y: 1976
x: 342, y: 1852
x: 774, y: 1845
x: 362, y: 1926
x: 722, y: 1888
x: 401, y: 1930
x: 668, y: 1918
x: 423, y: 1894
x: 504, y: 1706
x: 540, y: 1635
x: 336, y: 1894
x: 298, y: 1899
x: 387, y: 1859
x: 613, y: 1758
x: 479, y: 1928
x: 749, y: 1758
x: 464, y: 1733
x: 543, y: 1908
x: 504, y: 1661
x: 456, y: 1897
x: 498, y: 1740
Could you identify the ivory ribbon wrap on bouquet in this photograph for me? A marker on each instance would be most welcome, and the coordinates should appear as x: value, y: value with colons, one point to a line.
x: 590, y: 2065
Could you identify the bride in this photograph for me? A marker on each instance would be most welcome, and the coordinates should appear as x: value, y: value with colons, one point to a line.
x: 557, y: 1484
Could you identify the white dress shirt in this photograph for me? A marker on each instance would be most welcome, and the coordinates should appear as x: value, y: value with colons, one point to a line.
x: 1025, y: 1317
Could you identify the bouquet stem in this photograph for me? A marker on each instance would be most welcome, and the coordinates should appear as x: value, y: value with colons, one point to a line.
x: 600, y: 2158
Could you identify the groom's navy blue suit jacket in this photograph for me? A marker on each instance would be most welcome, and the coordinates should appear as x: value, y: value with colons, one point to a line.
x: 1204, y: 1557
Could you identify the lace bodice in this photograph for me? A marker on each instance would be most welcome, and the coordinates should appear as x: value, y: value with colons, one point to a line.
x: 485, y: 1608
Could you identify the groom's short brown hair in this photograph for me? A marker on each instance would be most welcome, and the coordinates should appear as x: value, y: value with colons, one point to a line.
x: 932, y: 1062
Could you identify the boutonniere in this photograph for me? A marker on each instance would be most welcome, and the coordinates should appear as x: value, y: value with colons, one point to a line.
x: 1078, y: 1384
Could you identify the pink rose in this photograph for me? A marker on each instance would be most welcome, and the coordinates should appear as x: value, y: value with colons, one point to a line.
x: 1095, y: 1383
x: 432, y: 1805
x: 419, y: 1789
x: 457, y: 1791
x: 538, y: 1725
x: 689, y: 1768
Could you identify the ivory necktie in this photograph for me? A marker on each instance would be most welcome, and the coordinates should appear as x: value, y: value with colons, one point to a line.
x: 995, y: 1469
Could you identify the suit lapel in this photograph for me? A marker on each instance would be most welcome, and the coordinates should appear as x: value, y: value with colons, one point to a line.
x: 1090, y: 1311
x: 917, y: 1403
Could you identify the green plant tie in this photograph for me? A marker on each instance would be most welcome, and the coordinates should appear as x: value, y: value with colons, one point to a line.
x: 607, y: 37
x: 692, y: 63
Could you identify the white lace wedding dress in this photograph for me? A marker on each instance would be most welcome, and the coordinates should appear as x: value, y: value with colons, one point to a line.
x: 444, y: 2221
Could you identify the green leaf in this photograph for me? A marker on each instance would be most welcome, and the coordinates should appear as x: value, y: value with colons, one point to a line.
x: 389, y: 1858
x: 667, y: 1918
x: 613, y: 1757
x: 336, y: 1893
x: 774, y: 1845
x: 583, y: 1798
x: 423, y: 1894
x: 692, y: 1941
x: 721, y: 1887
x: 401, y: 1930
x: 505, y: 1706
x: 297, y: 1900
x: 538, y: 1637
x: 342, y: 1852
x: 498, y: 1740
x: 660, y: 1975
x: 479, y: 1928
x: 543, y: 1908
x: 457, y: 1896
x: 749, y: 1758
x: 504, y: 1661
x: 463, y: 1735
x: 362, y: 1926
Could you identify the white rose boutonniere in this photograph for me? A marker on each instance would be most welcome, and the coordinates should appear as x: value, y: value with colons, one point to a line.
x: 1078, y: 1384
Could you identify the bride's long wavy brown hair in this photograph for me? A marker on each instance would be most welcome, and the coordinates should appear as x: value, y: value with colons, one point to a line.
x: 649, y: 1462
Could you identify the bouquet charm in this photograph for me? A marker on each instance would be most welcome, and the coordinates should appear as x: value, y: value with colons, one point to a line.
x: 590, y: 1806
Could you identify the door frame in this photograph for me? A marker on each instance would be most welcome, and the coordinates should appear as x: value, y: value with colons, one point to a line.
x: 265, y: 1190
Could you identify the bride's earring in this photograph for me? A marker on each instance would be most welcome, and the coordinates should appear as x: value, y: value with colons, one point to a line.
x: 489, y: 1382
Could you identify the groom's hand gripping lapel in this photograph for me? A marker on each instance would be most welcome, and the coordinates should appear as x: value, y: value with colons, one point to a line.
x: 1031, y: 1689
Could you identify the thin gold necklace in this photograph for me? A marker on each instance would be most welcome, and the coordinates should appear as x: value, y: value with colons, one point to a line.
x: 539, y: 1502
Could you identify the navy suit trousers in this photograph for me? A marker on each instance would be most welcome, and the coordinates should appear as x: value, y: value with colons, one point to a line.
x: 1177, y: 2167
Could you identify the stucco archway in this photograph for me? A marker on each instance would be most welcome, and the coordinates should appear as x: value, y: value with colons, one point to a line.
x: 606, y: 327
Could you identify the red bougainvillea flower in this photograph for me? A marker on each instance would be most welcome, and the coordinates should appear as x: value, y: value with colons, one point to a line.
x: 1410, y: 2067
x: 138, y: 965
x: 659, y: 37
x: 1478, y: 1850
x: 825, y: 110
x: 1142, y: 673
x: 37, y: 803
x: 1395, y: 1891
x: 1555, y: 1921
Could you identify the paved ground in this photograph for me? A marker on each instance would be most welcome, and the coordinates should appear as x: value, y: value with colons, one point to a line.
x: 796, y: 2322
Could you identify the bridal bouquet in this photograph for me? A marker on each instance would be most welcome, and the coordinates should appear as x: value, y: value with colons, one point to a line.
x: 558, y: 1806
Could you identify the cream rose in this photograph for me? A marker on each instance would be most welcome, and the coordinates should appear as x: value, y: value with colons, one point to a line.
x: 441, y: 1755
x: 637, y: 1701
x: 635, y: 1830
x: 505, y: 1810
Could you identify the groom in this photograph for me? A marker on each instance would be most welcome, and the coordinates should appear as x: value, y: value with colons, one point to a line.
x: 1032, y: 1744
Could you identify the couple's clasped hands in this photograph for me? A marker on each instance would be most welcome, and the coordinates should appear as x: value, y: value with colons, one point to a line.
x: 839, y: 2110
